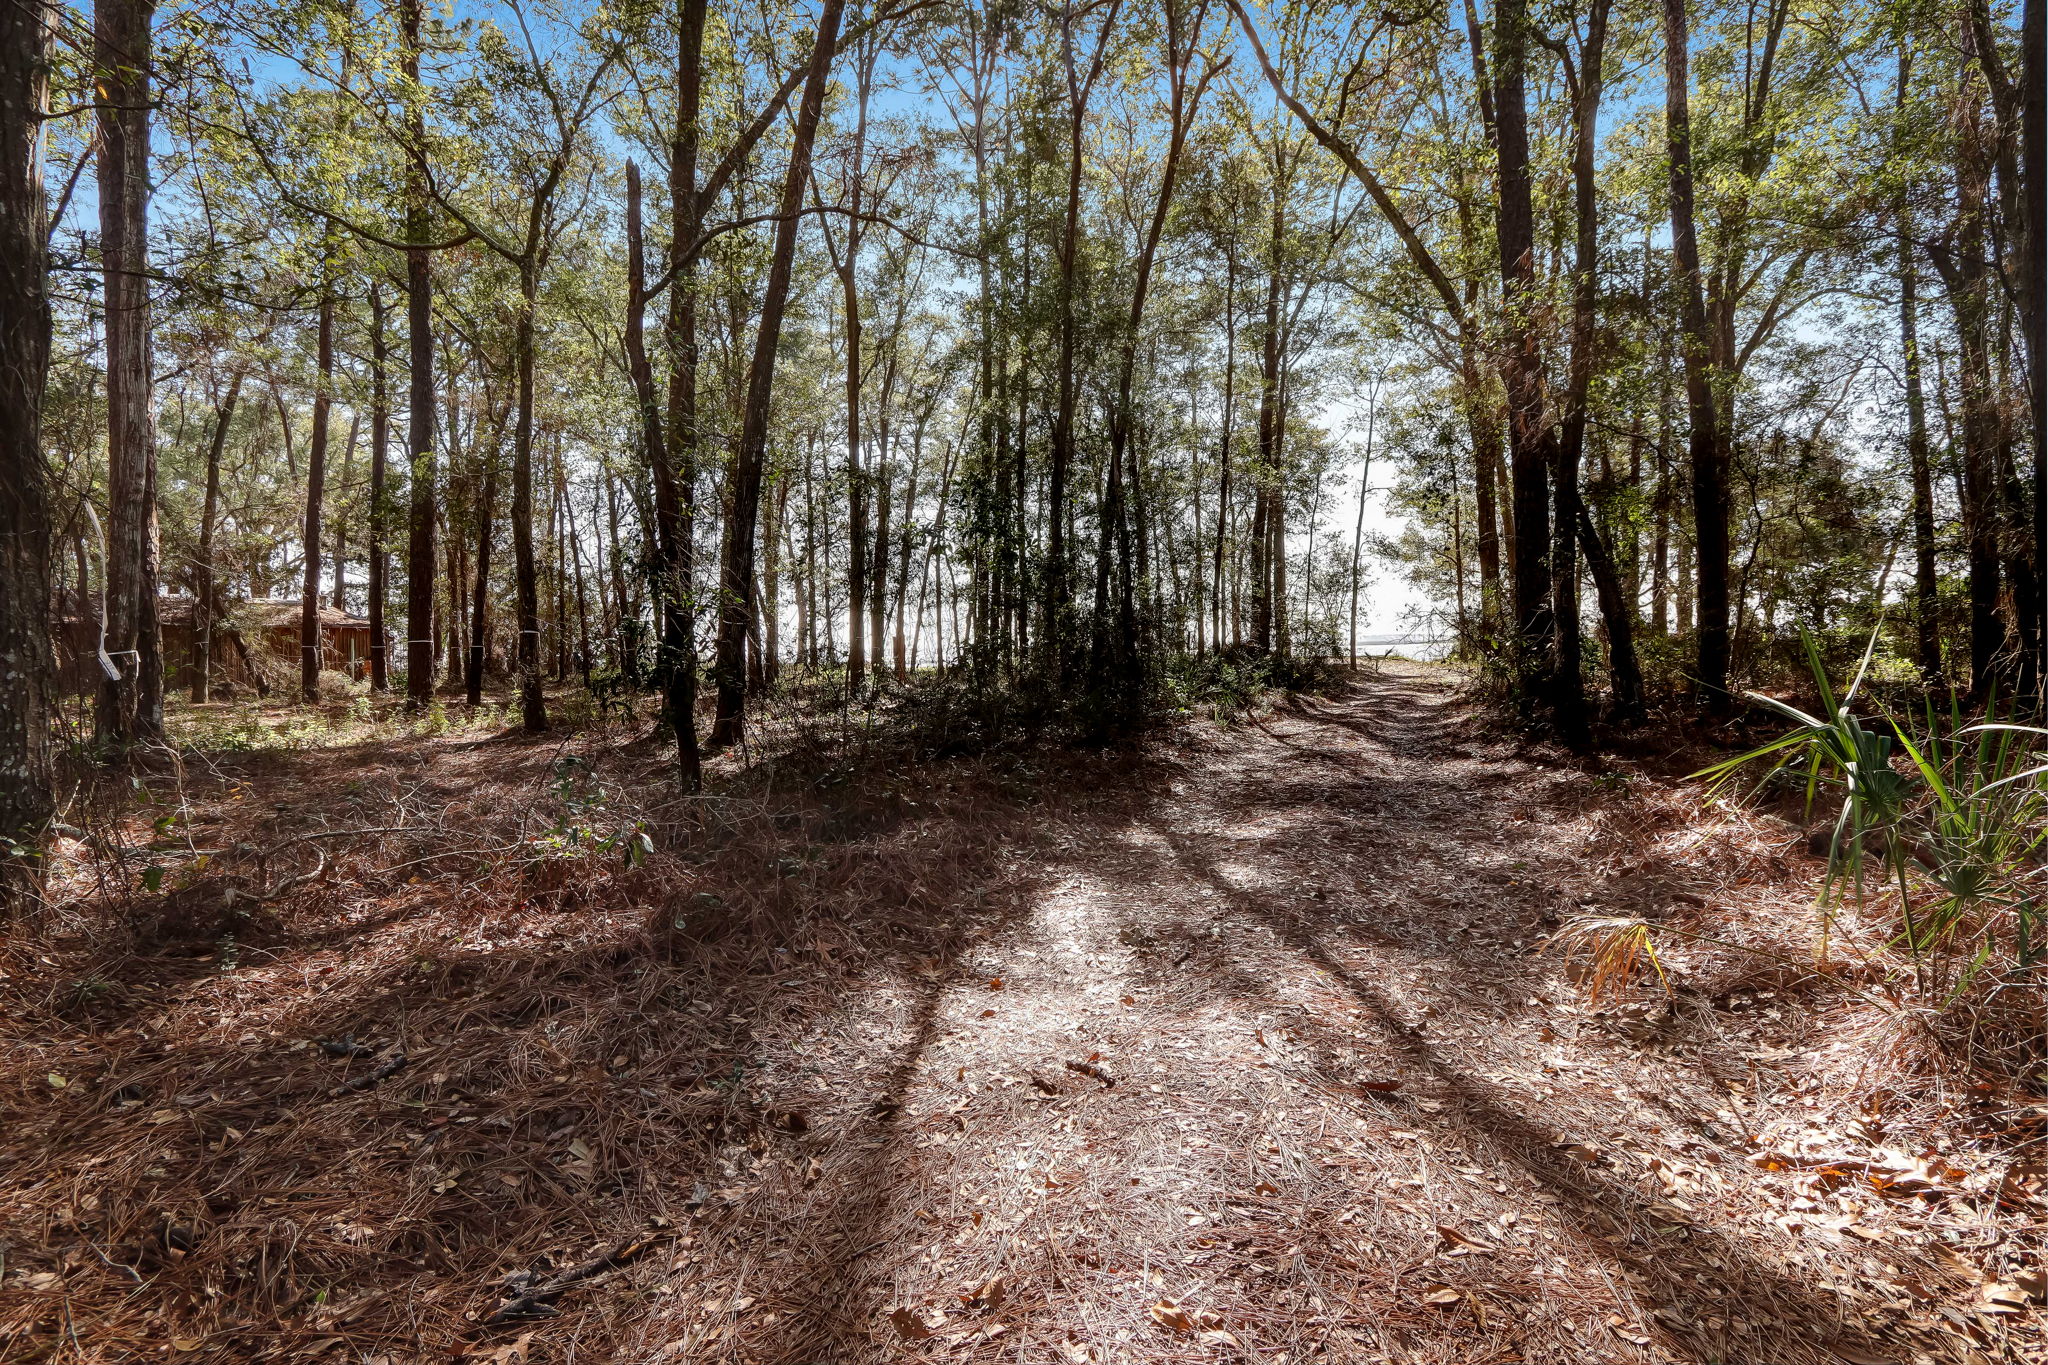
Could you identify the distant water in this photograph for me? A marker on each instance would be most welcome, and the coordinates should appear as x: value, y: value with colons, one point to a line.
x: 1426, y: 647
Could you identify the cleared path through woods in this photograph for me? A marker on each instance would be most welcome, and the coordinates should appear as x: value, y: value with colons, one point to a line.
x: 1268, y: 1065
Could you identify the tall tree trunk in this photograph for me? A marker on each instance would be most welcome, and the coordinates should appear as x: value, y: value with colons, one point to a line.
x: 27, y: 671
x: 736, y: 573
x: 533, y: 707
x: 1216, y: 591
x: 1926, y: 587
x: 576, y: 565
x: 1183, y: 103
x: 2032, y: 295
x: 1531, y: 444
x: 1266, y: 478
x: 480, y: 584
x: 902, y: 591
x: 202, y: 568
x: 348, y: 466
x: 1704, y: 446
x: 1965, y: 271
x: 316, y: 491
x: 419, y: 313
x: 1058, y: 571
x: 130, y: 707
x: 1617, y: 607
x: 379, y: 524
x: 676, y: 538
x: 1482, y: 420
x: 1358, y: 531
x: 856, y: 476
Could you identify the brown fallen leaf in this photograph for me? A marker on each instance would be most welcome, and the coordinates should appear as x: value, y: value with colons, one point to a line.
x: 909, y: 1325
x: 1857, y: 1355
x: 986, y: 1296
x: 1443, y: 1296
x: 1167, y: 1313
x: 1626, y: 1330
x: 1181, y: 1318
x: 1459, y: 1241
x: 513, y: 1354
x: 995, y: 983
x: 2010, y: 1296
x: 1041, y: 1084
x: 1380, y: 1086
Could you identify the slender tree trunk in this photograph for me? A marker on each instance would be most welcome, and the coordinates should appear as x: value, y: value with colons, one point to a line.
x: 2032, y: 295
x: 902, y: 592
x: 1058, y: 571
x: 736, y: 574
x: 480, y: 584
x: 316, y: 492
x: 1183, y: 103
x: 130, y: 707
x: 679, y: 552
x: 1965, y: 271
x: 1216, y: 595
x: 1531, y: 444
x: 202, y: 570
x: 856, y: 476
x: 1358, y: 531
x: 348, y: 466
x: 1926, y: 613
x: 1708, y: 457
x: 533, y: 706
x: 27, y: 670
x: 576, y: 564
x: 419, y: 310
x: 1264, y: 571
x: 379, y: 524
x: 1483, y: 421
x: 1617, y: 608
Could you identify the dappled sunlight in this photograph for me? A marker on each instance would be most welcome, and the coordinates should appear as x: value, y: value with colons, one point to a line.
x: 1215, y: 1053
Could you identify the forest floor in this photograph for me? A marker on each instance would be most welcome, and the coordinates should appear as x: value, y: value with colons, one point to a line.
x: 1251, y: 1044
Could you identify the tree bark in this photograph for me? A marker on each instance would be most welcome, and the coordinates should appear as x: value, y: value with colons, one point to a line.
x: 1266, y: 477
x: 419, y: 311
x: 533, y: 706
x: 1531, y: 442
x: 1058, y: 583
x: 1965, y: 270
x: 736, y: 573
x: 130, y: 707
x: 27, y: 670
x: 1708, y: 459
x: 379, y: 525
x: 1926, y: 621
x: 202, y: 568
x: 480, y: 580
x: 1617, y: 607
x: 316, y: 492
